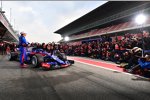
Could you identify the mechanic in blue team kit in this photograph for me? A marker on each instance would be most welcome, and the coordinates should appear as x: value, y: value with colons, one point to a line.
x: 22, y: 46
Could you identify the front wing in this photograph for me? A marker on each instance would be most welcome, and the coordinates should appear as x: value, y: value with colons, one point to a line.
x: 54, y: 65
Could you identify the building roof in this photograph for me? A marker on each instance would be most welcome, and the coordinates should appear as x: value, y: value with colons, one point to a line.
x: 108, y: 9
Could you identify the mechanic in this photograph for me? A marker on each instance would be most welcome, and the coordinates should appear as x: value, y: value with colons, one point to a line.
x: 22, y: 46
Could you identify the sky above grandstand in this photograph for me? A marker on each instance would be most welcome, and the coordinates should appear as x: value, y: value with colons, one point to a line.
x: 39, y: 19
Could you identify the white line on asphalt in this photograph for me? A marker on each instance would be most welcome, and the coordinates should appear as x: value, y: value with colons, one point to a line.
x: 112, y: 70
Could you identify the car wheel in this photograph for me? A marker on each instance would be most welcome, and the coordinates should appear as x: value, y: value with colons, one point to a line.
x: 11, y: 56
x: 34, y: 61
x: 37, y: 60
x: 71, y: 61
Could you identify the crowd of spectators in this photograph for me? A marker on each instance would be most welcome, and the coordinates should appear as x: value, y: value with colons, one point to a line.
x: 102, y: 48
x: 106, y: 49
x: 7, y: 47
x: 126, y: 49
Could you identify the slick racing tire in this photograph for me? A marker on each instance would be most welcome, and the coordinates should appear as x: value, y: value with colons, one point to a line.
x: 12, y: 56
x: 71, y: 61
x: 9, y: 57
x: 37, y: 60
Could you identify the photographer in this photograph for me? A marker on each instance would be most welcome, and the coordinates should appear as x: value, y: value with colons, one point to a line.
x: 135, y: 54
x: 142, y: 67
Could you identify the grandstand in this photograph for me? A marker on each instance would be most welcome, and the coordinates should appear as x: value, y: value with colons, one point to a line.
x: 7, y: 34
x: 113, y: 18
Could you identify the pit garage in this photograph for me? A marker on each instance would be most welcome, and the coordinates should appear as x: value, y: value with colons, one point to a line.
x: 7, y: 33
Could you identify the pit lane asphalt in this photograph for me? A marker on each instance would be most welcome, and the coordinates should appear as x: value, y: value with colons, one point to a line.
x: 77, y: 82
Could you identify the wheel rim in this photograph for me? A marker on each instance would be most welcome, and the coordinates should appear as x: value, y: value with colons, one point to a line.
x: 34, y: 61
x: 9, y: 56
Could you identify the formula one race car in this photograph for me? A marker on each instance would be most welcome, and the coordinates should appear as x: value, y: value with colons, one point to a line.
x: 40, y: 58
x: 48, y: 61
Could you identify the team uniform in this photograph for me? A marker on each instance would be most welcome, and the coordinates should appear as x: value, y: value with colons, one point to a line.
x: 22, y: 46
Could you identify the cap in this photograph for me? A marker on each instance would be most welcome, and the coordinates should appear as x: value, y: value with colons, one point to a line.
x: 23, y: 33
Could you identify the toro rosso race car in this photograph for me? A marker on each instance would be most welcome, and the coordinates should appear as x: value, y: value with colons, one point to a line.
x: 40, y: 58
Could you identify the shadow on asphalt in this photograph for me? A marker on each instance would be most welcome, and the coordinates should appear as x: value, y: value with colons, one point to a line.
x: 41, y: 69
x: 116, y: 72
x: 10, y: 65
x: 139, y: 78
x: 45, y: 81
